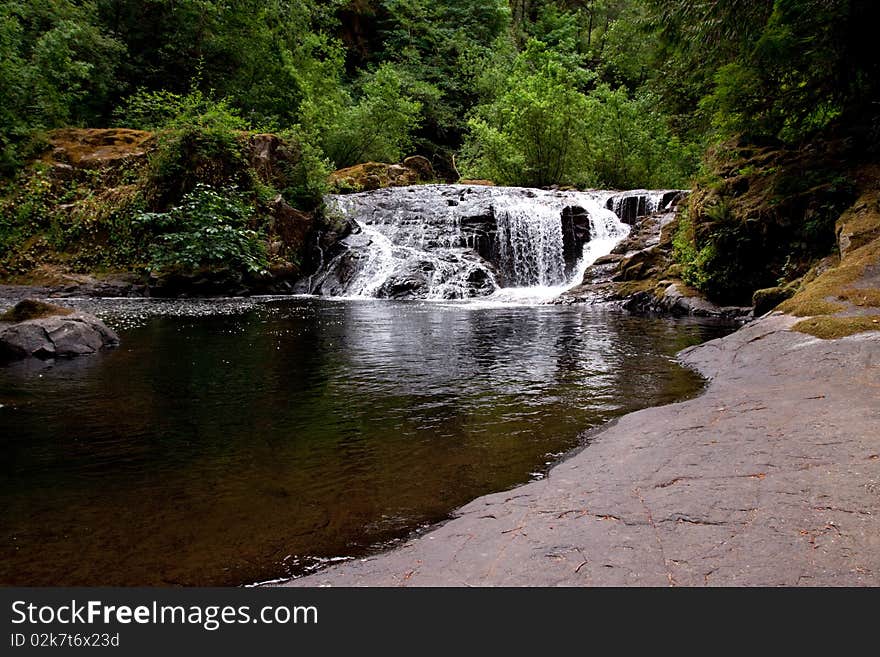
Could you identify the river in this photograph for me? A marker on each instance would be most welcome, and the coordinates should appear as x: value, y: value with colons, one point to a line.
x: 228, y: 442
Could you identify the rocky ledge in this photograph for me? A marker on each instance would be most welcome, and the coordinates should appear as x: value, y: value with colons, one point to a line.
x: 34, y: 329
x: 640, y: 275
x: 771, y: 477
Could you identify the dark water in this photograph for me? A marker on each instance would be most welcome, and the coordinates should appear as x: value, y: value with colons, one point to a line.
x: 233, y: 442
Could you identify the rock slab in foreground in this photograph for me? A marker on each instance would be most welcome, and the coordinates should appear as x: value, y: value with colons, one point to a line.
x: 54, y: 336
x: 771, y: 477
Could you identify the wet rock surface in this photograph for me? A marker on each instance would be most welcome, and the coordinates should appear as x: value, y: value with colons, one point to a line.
x: 78, y: 285
x: 61, y: 334
x: 517, y: 237
x: 770, y: 478
x: 639, y: 274
x: 630, y: 206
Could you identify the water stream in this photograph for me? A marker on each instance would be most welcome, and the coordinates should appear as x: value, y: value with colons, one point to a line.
x: 230, y: 441
x: 464, y: 242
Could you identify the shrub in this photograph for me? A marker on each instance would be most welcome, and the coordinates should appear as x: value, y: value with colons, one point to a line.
x: 303, y: 178
x: 535, y: 132
x: 149, y: 110
x: 542, y: 129
x: 378, y: 126
x: 208, y: 230
x: 201, y: 143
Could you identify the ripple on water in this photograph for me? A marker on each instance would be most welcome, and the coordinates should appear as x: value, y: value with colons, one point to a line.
x: 239, y: 440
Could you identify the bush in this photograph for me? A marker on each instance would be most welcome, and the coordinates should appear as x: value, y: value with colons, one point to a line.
x: 208, y: 230
x: 379, y: 126
x: 201, y: 143
x: 535, y: 132
x: 150, y: 110
x: 56, y: 68
x: 631, y: 146
x: 724, y: 257
x: 305, y: 175
x: 541, y: 129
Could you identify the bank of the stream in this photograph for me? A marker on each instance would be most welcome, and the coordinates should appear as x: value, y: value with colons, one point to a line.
x: 770, y: 478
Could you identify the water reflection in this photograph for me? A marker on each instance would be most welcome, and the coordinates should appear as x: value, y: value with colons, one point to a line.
x: 225, y: 443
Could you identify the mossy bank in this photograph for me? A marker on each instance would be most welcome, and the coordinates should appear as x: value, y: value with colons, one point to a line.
x: 197, y: 210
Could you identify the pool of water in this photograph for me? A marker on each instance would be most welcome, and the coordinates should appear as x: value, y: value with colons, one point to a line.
x: 229, y: 442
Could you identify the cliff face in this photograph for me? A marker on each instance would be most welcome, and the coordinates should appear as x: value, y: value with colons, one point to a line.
x: 796, y: 228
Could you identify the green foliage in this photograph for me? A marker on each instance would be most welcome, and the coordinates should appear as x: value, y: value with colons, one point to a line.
x: 615, y: 93
x: 378, y: 126
x: 436, y: 44
x: 208, y: 230
x: 721, y: 260
x: 759, y: 226
x: 80, y: 222
x: 202, y: 143
x: 254, y: 52
x: 26, y: 206
x: 534, y: 132
x: 632, y: 145
x: 542, y: 129
x: 684, y: 250
x: 774, y: 69
x: 149, y: 110
x: 305, y: 178
x: 57, y: 66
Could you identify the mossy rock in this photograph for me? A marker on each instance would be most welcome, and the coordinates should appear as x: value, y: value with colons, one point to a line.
x: 827, y: 293
x: 476, y: 182
x: 766, y: 299
x: 674, y: 270
x: 32, y: 309
x: 376, y: 175
x: 859, y: 225
x: 831, y: 327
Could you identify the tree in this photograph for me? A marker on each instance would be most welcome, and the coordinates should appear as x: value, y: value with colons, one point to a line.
x: 378, y: 126
x: 57, y: 69
x: 533, y: 133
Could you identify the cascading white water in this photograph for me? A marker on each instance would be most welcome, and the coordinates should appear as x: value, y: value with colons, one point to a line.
x: 635, y: 203
x: 531, y: 242
x: 457, y: 241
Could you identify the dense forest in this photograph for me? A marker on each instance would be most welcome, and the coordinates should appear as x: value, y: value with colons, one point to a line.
x: 587, y: 93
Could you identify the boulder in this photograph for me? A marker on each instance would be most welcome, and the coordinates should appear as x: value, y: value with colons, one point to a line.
x: 575, y: 234
x: 376, y: 175
x: 290, y: 225
x: 96, y: 148
x: 860, y: 225
x: 421, y: 165
x: 478, y: 182
x: 641, y: 265
x: 34, y: 329
x: 766, y: 299
x: 632, y: 205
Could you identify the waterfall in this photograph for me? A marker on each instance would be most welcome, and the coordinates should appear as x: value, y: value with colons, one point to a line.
x: 631, y: 205
x: 460, y: 241
x: 529, y: 238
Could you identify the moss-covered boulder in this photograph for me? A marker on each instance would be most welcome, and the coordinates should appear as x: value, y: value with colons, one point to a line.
x: 766, y: 299
x: 35, y: 329
x: 376, y: 175
x: 860, y: 224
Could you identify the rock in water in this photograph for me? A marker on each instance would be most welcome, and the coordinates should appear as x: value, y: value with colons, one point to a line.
x: 34, y: 329
x: 462, y: 241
